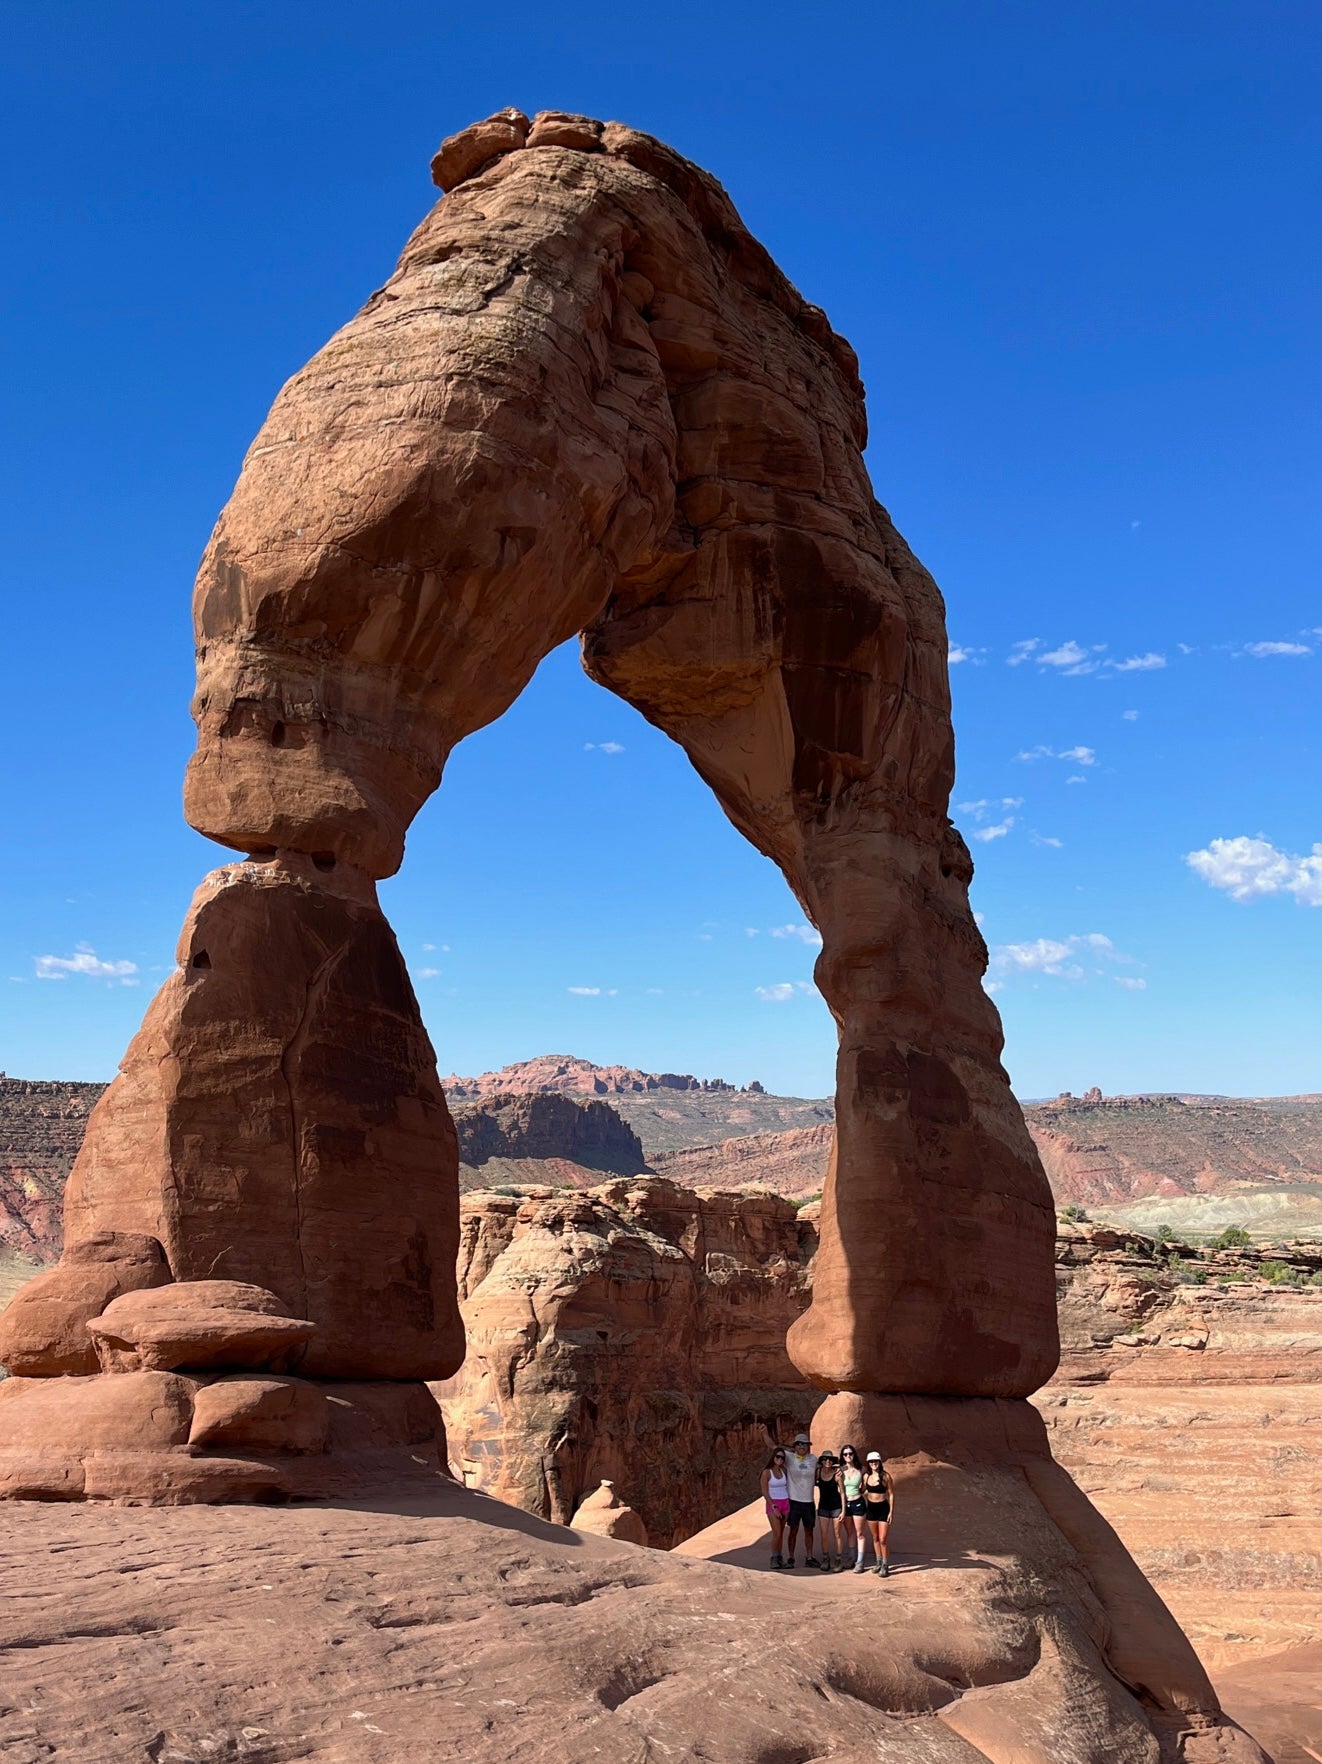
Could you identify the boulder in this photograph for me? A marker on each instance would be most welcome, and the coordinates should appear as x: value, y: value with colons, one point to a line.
x: 137, y: 1411
x: 605, y: 1515
x: 272, y: 1414
x: 43, y: 1329
x: 198, y: 1324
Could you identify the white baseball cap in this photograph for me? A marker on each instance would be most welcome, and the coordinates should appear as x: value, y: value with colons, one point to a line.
x: 874, y: 1457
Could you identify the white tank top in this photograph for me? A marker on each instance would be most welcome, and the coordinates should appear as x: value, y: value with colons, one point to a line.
x: 778, y: 1488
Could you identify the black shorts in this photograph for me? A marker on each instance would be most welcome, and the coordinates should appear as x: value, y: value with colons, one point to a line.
x: 854, y: 1509
x: 878, y: 1512
x: 829, y: 1510
x: 803, y: 1513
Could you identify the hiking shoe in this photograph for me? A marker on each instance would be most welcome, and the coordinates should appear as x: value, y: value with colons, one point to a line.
x: 885, y: 1571
x: 777, y: 1561
x: 859, y: 1568
x: 826, y: 1566
x: 811, y: 1562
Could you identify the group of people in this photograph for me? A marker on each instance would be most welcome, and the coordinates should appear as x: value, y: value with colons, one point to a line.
x: 846, y: 1497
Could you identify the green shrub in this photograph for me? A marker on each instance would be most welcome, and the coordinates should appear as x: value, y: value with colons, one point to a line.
x: 1163, y: 1234
x: 1315, y: 1279
x: 808, y: 1200
x: 1233, y: 1237
x: 1074, y: 1214
x: 1281, y: 1273
x: 1187, y: 1273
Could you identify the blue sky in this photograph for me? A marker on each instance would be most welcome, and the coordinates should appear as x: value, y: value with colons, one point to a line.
x: 1076, y: 250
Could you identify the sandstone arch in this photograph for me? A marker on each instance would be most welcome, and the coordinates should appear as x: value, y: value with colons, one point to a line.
x: 586, y: 401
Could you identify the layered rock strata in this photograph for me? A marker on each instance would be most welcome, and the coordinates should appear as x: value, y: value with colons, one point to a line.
x: 634, y: 1333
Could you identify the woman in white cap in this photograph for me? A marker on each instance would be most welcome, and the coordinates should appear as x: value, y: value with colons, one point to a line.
x: 878, y: 1510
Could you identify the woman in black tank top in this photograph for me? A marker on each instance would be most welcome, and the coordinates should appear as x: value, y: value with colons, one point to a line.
x: 878, y: 1509
x: 830, y: 1511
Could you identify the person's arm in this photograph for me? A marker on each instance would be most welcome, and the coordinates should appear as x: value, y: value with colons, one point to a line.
x: 766, y: 1486
x: 890, y: 1492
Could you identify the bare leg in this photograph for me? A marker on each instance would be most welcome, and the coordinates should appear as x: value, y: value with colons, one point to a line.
x: 777, y: 1523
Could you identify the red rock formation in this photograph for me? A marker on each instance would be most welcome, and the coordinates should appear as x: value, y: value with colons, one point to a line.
x: 635, y: 1333
x: 563, y: 1074
x: 543, y: 1126
x: 793, y: 1163
x: 588, y: 402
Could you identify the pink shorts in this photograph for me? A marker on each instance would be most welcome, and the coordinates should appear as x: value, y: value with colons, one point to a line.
x: 781, y: 1507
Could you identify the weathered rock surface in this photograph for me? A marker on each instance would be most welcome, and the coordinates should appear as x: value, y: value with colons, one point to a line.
x: 272, y: 1414
x: 793, y: 1163
x: 43, y: 1330
x: 633, y: 1333
x: 588, y: 1134
x: 605, y: 1515
x: 197, y: 1325
x: 588, y: 402
x: 452, y: 1628
x: 278, y: 1121
x: 1192, y: 1415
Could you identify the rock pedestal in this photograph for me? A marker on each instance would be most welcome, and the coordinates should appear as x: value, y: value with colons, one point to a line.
x: 605, y: 1515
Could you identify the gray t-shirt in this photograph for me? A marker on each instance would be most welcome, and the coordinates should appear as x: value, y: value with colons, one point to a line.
x: 801, y: 1473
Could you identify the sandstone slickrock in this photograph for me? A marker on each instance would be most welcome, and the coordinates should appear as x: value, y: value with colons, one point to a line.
x: 634, y: 1332
x: 43, y: 1329
x: 454, y: 1628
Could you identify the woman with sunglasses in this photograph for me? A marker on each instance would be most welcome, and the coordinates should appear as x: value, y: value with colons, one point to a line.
x: 830, y: 1511
x: 776, y: 1496
x: 878, y: 1510
x: 854, y: 1523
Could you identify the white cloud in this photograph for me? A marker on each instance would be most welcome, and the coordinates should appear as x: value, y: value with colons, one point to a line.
x: 805, y: 933
x: 1265, y: 649
x: 1081, y: 756
x: 997, y: 830
x: 965, y: 652
x: 603, y: 746
x: 1187, y: 648
x: 429, y: 973
x: 1078, y: 778
x: 1020, y: 652
x: 584, y: 991
x: 1061, y: 958
x: 1129, y: 716
x: 86, y: 963
x: 1251, y: 868
x: 1070, y: 657
x: 1130, y: 982
x: 1138, y: 664
x: 1047, y: 839
x: 782, y: 991
x: 980, y: 809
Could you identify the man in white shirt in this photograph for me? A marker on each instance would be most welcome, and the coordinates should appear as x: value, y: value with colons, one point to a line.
x: 801, y: 1474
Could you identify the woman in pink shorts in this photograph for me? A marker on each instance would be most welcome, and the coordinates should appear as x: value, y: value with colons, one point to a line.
x: 776, y: 1494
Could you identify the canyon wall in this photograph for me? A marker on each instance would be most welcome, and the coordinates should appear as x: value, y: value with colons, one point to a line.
x: 634, y: 1333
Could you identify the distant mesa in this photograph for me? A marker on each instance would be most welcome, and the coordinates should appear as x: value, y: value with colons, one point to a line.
x: 565, y: 1075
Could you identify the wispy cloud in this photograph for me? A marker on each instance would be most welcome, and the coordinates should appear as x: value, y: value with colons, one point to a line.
x: 965, y: 652
x: 782, y: 991
x: 1130, y: 982
x: 1074, y: 659
x: 1129, y: 716
x: 603, y: 746
x: 429, y: 973
x: 593, y: 991
x: 1139, y: 664
x: 808, y: 934
x: 1079, y: 756
x: 1253, y: 869
x: 1062, y: 958
x: 86, y: 963
x: 1047, y: 839
x: 1022, y: 652
x: 1263, y: 650
x: 996, y: 830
